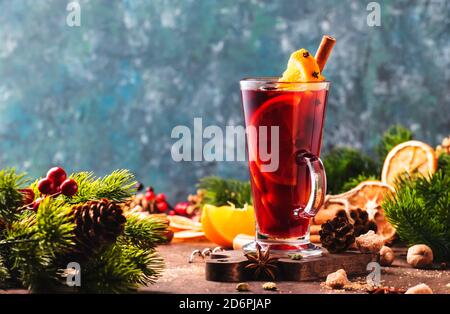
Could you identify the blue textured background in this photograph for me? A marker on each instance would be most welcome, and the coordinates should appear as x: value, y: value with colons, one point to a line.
x: 107, y: 94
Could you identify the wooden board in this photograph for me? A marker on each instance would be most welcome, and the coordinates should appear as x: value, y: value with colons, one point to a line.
x: 229, y: 266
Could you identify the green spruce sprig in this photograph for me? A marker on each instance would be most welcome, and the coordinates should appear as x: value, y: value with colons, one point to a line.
x: 345, y: 164
x: 420, y: 211
x: 221, y: 191
x: 395, y: 135
x: 10, y: 196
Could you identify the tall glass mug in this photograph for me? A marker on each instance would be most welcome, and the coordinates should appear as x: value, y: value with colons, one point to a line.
x: 284, y: 123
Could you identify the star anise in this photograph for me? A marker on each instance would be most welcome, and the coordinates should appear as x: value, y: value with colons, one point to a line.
x: 261, y: 263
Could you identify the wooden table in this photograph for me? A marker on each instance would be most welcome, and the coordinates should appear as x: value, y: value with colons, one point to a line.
x: 182, y: 277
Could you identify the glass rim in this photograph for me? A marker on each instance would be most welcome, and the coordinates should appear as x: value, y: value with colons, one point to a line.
x: 255, y: 82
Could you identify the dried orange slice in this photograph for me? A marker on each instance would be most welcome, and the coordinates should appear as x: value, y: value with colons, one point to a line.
x: 180, y: 223
x: 222, y: 224
x: 411, y: 157
x: 369, y: 196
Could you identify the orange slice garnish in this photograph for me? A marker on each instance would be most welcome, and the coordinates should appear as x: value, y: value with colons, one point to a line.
x: 278, y: 112
x: 412, y: 157
x: 302, y: 67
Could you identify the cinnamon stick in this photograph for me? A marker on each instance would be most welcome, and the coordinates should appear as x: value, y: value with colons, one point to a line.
x: 324, y: 50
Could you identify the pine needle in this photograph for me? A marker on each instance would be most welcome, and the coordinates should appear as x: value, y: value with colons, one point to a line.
x: 219, y: 191
x: 420, y: 211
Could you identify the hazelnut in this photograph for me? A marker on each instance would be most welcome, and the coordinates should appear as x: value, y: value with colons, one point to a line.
x: 419, y: 256
x: 419, y: 289
x: 337, y: 280
x: 387, y: 256
x: 242, y: 287
x: 369, y: 242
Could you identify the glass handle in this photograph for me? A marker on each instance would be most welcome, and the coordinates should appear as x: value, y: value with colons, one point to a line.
x: 318, y: 185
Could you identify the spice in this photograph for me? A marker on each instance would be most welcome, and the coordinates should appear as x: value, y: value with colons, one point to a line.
x: 306, y: 54
x: 296, y: 256
x: 261, y: 263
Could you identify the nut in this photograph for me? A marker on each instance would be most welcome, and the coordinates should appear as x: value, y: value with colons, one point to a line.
x: 419, y: 289
x: 242, y: 287
x: 337, y: 280
x: 270, y: 286
x: 387, y: 256
x: 369, y: 242
x: 419, y: 256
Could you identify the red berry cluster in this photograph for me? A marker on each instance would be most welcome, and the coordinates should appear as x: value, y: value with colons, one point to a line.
x: 159, y: 201
x: 54, y: 184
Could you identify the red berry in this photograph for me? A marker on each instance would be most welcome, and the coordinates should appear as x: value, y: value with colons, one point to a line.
x: 160, y: 197
x: 57, y: 175
x: 181, y: 208
x: 36, y: 203
x: 162, y: 206
x: 150, y: 196
x: 46, y: 186
x: 69, y: 187
x: 172, y: 213
x: 28, y: 196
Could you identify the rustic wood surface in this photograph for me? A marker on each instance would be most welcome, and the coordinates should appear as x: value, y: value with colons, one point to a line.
x: 230, y: 266
x: 182, y: 277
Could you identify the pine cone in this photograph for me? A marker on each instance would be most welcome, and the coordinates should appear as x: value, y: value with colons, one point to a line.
x: 337, y: 235
x: 98, y: 224
x: 444, y: 148
x: 361, y: 222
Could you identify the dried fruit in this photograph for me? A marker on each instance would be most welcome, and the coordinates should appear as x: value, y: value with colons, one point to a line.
x: 411, y: 157
x: 419, y: 256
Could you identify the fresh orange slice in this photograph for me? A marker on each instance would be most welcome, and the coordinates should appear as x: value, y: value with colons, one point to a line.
x: 369, y: 196
x: 412, y: 157
x: 302, y: 67
x: 278, y: 112
x: 180, y: 223
x: 222, y: 224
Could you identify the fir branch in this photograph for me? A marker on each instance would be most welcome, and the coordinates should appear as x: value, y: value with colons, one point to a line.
x: 343, y: 164
x: 221, y: 191
x: 420, y: 211
x: 353, y: 182
x: 144, y: 232
x: 121, y: 268
x: 117, y: 186
x: 10, y: 196
x: 54, y: 226
x: 395, y: 135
